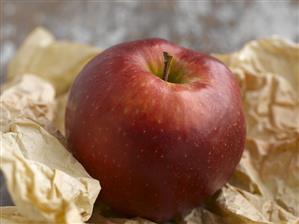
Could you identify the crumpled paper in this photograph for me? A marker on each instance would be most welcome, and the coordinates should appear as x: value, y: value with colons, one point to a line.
x: 10, y: 215
x: 56, y: 61
x: 265, y: 185
x: 59, y: 116
x: 27, y: 96
x: 45, y: 181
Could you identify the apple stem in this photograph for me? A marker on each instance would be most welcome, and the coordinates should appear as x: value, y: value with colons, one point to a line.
x: 167, y: 63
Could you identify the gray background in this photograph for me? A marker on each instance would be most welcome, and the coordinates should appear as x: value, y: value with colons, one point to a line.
x: 211, y: 26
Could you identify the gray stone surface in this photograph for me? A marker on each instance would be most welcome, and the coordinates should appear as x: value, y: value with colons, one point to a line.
x: 210, y: 26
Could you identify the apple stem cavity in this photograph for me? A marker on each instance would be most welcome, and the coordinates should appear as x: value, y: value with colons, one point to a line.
x: 167, y: 64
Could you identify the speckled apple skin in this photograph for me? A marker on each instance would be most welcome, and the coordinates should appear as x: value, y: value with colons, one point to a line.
x: 157, y: 148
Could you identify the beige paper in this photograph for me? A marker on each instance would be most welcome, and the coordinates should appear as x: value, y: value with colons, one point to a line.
x: 56, y: 61
x: 11, y: 215
x: 265, y: 186
x: 58, y: 121
x: 202, y: 216
x: 45, y: 182
x: 27, y: 96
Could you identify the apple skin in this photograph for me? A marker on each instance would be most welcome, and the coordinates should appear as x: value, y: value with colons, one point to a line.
x: 158, y: 148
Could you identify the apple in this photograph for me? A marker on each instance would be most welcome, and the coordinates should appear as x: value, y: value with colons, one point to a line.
x: 160, y: 126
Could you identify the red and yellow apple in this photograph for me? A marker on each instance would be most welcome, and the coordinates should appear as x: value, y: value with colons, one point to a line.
x: 161, y: 126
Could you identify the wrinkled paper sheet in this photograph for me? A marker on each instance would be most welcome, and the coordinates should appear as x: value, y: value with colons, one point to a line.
x: 46, y: 183
x: 264, y: 188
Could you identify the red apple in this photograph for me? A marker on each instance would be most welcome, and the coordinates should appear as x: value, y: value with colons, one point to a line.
x: 158, y: 147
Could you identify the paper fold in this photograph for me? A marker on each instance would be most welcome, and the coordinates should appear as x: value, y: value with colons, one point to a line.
x: 44, y: 180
